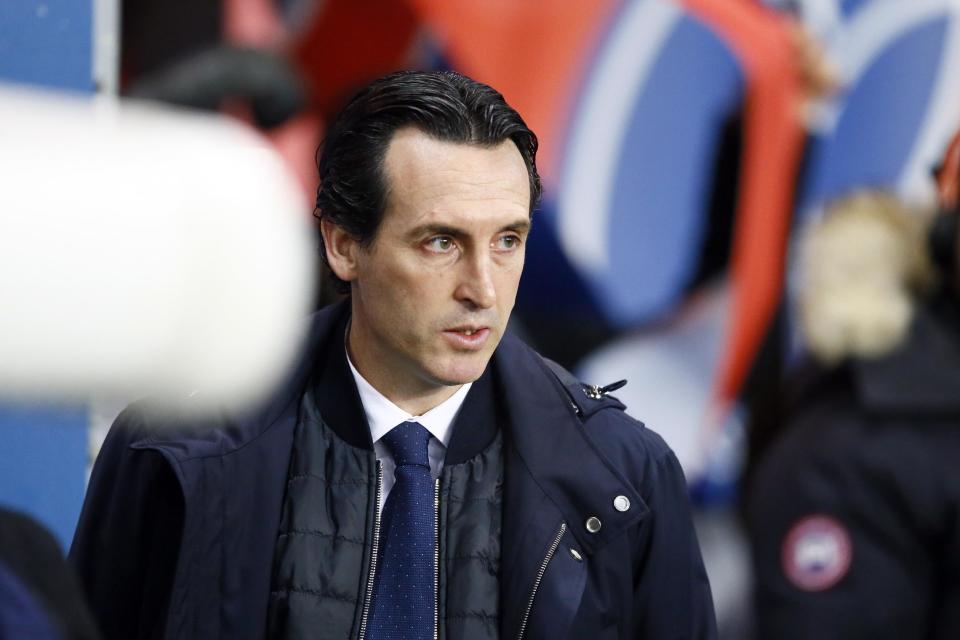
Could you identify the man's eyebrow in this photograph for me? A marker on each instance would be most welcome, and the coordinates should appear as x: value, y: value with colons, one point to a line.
x: 432, y: 229
x: 521, y: 226
x: 436, y: 230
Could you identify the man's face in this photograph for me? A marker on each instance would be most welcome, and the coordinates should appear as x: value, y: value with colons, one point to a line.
x: 434, y: 290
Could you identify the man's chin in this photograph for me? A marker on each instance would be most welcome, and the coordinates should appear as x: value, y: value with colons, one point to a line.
x: 462, y: 370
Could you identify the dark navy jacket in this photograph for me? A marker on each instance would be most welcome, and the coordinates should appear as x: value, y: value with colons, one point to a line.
x: 179, y: 526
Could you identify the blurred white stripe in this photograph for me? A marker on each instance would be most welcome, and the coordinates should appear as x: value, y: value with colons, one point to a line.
x: 600, y: 126
x: 106, y: 46
x: 941, y: 120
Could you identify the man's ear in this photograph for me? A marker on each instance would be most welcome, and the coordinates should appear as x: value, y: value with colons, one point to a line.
x: 341, y: 249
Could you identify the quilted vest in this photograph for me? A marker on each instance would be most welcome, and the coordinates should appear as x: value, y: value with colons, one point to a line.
x: 322, y: 560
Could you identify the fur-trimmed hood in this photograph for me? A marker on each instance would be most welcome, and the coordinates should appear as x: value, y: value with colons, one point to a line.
x: 863, y: 266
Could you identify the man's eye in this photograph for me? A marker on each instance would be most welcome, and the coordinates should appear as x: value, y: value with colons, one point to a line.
x: 508, y: 242
x: 440, y: 244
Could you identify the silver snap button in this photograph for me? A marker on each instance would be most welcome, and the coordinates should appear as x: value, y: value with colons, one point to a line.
x: 621, y: 503
x: 593, y: 524
x: 576, y: 555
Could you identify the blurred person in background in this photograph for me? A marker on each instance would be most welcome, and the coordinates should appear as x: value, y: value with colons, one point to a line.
x: 853, y: 508
x: 396, y: 486
x: 40, y: 597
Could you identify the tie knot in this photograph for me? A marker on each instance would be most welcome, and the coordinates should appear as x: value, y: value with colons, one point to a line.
x: 407, y: 443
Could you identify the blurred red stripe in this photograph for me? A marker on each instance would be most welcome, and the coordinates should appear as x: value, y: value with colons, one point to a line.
x: 535, y: 52
x: 773, y: 143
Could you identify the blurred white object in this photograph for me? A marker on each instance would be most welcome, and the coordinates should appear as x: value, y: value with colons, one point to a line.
x: 144, y: 251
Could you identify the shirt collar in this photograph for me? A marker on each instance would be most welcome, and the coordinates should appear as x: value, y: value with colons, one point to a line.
x: 383, y: 415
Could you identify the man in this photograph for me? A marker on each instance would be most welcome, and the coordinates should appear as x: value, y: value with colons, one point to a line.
x: 422, y: 473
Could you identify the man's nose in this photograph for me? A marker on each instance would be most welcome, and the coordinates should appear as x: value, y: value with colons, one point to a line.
x: 476, y: 282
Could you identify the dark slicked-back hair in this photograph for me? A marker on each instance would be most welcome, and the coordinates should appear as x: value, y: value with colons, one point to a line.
x: 443, y: 104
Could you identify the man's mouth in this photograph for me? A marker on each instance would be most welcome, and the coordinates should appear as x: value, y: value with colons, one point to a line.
x: 468, y: 337
x: 468, y: 330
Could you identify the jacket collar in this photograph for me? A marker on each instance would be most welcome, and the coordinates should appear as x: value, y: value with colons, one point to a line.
x: 334, y: 390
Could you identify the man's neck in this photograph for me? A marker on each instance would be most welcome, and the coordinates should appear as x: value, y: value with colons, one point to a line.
x: 414, y: 402
x: 411, y: 394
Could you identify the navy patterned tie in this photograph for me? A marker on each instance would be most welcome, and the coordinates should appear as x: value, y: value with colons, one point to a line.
x: 403, y: 603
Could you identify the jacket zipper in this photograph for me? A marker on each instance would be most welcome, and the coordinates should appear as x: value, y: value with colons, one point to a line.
x: 536, y: 583
x: 436, y: 561
x: 374, y: 547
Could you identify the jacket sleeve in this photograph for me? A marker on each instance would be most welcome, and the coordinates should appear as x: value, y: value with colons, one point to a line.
x: 126, y: 544
x: 671, y: 597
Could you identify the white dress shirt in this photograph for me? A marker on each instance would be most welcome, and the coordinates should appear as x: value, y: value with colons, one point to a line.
x: 383, y: 416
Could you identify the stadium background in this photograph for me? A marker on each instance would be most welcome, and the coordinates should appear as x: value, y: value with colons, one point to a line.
x: 684, y: 144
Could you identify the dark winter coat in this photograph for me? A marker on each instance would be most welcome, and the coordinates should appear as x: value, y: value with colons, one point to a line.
x: 854, y: 511
x: 179, y: 527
